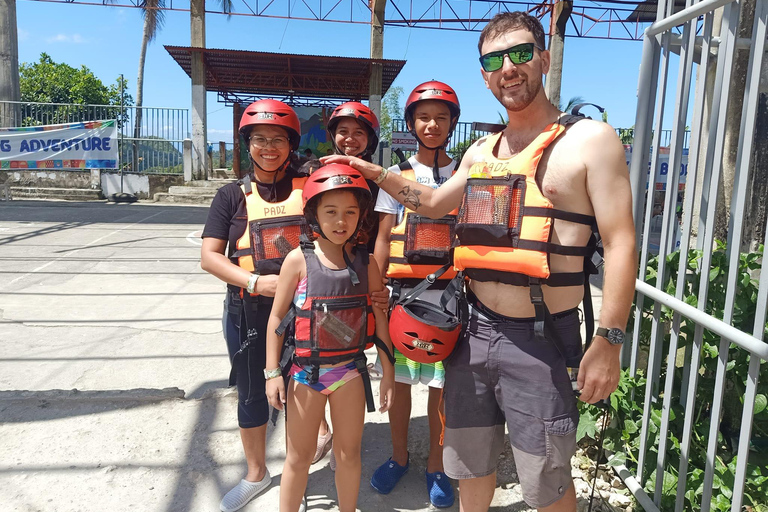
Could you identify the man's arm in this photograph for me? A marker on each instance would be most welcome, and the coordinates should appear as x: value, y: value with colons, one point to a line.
x: 611, y: 196
x: 426, y: 200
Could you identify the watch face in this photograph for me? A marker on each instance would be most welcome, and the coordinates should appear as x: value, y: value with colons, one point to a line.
x: 616, y: 336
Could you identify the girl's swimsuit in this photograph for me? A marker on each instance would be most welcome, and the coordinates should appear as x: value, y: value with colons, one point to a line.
x: 332, y: 377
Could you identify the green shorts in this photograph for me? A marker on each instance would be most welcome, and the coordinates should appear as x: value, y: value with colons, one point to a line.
x: 410, y: 372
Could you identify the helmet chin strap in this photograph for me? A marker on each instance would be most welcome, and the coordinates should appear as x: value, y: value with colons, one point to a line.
x: 282, y: 167
x: 436, y: 149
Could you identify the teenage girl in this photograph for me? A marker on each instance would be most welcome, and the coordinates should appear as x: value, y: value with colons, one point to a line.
x: 326, y: 283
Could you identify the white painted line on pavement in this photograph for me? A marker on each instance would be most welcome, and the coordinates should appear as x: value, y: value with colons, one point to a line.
x: 70, y: 253
x: 194, y: 238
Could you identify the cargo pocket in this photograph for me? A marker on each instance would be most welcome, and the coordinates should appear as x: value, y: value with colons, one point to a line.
x: 560, y: 434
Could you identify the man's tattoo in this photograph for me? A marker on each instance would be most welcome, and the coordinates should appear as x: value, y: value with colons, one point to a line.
x: 411, y: 197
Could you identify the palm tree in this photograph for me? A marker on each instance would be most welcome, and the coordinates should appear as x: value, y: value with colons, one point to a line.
x: 571, y: 103
x: 154, y: 18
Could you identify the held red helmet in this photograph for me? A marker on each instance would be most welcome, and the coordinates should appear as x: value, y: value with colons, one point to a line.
x: 364, y: 115
x: 423, y: 331
x: 271, y: 113
x: 433, y: 90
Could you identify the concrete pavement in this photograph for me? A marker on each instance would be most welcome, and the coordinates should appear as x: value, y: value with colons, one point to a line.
x: 113, y: 372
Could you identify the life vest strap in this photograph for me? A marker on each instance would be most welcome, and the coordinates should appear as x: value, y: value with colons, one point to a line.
x: 552, y: 248
x: 579, y: 218
x: 362, y: 367
x: 557, y: 279
x: 287, y: 320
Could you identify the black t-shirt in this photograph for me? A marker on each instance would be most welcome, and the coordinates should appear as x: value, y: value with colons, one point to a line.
x: 227, y: 217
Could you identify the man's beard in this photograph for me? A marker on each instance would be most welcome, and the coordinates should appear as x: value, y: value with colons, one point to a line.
x: 520, y: 101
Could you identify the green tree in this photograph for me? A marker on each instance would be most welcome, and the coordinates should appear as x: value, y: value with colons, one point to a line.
x: 46, y: 81
x: 390, y: 109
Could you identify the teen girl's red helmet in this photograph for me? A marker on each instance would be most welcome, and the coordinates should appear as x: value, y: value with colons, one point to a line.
x: 333, y: 177
x: 271, y: 113
x: 364, y: 115
x: 423, y: 331
x: 433, y: 90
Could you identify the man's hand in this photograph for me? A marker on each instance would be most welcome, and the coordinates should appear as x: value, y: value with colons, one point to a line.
x: 599, y: 371
x: 380, y: 299
x: 368, y: 170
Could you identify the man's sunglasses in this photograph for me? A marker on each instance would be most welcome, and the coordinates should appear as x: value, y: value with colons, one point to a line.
x: 518, y: 54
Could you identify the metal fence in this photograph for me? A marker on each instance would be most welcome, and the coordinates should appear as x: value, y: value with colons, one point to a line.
x: 463, y: 136
x: 156, y: 148
x: 700, y: 316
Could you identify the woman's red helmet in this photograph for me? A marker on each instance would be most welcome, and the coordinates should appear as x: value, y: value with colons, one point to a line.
x: 271, y: 113
x: 422, y: 331
x: 364, y: 115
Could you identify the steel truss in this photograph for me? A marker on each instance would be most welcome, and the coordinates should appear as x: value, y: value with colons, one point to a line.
x: 608, y: 19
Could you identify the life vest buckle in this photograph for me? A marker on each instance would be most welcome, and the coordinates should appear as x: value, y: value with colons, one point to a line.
x: 537, y: 295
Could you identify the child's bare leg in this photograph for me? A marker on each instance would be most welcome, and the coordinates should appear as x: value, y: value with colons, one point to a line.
x: 348, y: 417
x: 306, y: 409
x: 399, y: 419
x: 435, y: 460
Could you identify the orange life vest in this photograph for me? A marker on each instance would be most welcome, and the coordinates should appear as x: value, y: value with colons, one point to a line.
x: 273, y: 229
x: 505, y: 223
x: 419, y: 245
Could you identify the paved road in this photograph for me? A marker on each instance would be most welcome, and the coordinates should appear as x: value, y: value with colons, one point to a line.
x: 113, y: 372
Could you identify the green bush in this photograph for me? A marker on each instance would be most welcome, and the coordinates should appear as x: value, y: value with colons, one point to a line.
x: 624, y: 436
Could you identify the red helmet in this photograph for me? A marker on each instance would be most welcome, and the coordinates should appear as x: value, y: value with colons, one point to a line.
x: 433, y: 90
x: 333, y: 177
x: 271, y: 113
x: 364, y: 115
x: 422, y: 331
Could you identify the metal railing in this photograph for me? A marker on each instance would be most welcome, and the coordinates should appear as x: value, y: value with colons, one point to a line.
x: 694, y: 331
x: 154, y: 149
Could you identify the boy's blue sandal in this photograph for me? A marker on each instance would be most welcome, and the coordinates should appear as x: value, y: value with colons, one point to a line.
x: 387, y: 475
x: 439, y: 489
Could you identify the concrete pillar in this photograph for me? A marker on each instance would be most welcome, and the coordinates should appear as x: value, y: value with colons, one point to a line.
x: 561, y: 12
x: 9, y: 64
x: 377, y: 52
x: 222, y: 154
x: 186, y: 159
x: 236, y: 114
x: 199, y: 106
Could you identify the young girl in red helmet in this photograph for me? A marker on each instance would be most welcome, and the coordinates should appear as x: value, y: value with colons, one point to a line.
x: 323, y: 290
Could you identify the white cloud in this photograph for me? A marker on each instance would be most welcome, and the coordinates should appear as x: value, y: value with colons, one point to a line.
x: 217, y: 131
x: 23, y: 34
x: 67, y: 38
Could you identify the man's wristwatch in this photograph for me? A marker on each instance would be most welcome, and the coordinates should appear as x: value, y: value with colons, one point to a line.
x: 614, y: 336
x: 251, y: 288
x: 272, y: 374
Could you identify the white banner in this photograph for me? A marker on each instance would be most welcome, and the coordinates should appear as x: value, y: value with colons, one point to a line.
x: 404, y: 141
x: 663, y: 162
x: 87, y: 145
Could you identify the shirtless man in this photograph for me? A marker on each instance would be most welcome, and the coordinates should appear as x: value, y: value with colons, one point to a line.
x: 514, y: 375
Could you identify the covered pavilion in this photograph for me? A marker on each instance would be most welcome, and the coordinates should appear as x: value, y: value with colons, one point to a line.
x: 240, y: 77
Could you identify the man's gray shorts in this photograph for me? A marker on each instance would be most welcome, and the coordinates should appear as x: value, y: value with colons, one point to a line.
x: 500, y: 372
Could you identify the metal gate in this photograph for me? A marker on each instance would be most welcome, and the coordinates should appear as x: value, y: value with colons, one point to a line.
x: 682, y: 325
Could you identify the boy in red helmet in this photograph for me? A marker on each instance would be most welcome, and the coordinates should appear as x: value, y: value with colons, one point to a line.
x: 431, y: 113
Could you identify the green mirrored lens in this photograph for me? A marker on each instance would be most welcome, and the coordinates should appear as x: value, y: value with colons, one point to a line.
x: 492, y: 62
x: 521, y: 56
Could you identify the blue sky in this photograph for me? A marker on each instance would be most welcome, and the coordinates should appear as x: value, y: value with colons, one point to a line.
x: 108, y: 39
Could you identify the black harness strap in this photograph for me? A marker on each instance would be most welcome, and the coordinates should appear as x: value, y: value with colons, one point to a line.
x: 549, y: 247
x: 539, y: 211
